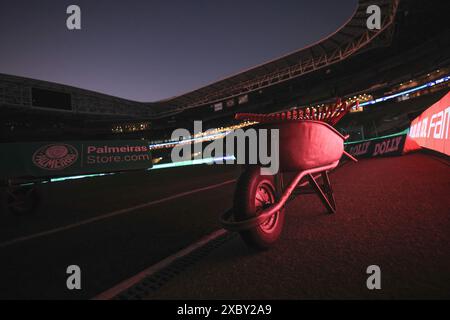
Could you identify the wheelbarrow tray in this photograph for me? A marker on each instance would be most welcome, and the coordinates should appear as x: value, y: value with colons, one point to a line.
x: 307, y: 144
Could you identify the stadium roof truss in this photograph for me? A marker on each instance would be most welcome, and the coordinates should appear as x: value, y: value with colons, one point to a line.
x: 351, y: 38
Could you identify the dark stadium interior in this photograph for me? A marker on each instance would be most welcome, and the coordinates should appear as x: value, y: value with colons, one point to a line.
x: 392, y: 210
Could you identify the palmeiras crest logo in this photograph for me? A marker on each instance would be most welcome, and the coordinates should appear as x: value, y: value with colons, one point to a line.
x: 55, y: 156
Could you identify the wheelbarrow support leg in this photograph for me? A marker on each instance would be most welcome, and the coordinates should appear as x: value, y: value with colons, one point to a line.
x: 325, y: 192
x: 329, y: 190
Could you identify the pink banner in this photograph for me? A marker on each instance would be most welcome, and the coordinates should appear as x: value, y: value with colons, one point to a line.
x: 430, y: 129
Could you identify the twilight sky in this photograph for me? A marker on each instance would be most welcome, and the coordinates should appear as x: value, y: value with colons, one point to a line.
x: 148, y: 50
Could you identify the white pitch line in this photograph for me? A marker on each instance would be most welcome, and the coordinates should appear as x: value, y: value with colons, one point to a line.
x: 128, y: 283
x: 111, y: 214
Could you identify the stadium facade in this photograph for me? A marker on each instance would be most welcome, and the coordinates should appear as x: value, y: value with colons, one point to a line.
x: 411, y: 48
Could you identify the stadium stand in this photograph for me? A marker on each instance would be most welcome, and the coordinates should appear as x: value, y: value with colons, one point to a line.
x: 386, y: 118
x: 411, y: 44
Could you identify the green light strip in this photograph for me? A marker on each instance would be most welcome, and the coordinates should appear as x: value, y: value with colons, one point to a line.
x: 155, y: 167
x: 383, y: 137
x: 191, y: 162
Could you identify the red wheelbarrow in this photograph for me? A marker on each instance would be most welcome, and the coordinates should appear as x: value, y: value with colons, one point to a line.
x: 308, y: 147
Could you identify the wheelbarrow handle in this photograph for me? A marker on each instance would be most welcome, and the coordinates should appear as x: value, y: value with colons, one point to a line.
x: 350, y: 156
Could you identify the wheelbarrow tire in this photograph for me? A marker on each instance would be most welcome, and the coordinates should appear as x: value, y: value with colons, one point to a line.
x: 254, y: 192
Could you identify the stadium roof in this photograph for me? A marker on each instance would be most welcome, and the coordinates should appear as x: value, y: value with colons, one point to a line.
x: 352, y: 37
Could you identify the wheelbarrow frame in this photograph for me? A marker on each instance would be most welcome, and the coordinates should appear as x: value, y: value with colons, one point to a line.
x: 324, y: 191
x: 295, y: 162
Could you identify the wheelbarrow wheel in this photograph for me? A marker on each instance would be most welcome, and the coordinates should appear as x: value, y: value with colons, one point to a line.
x: 254, y: 192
